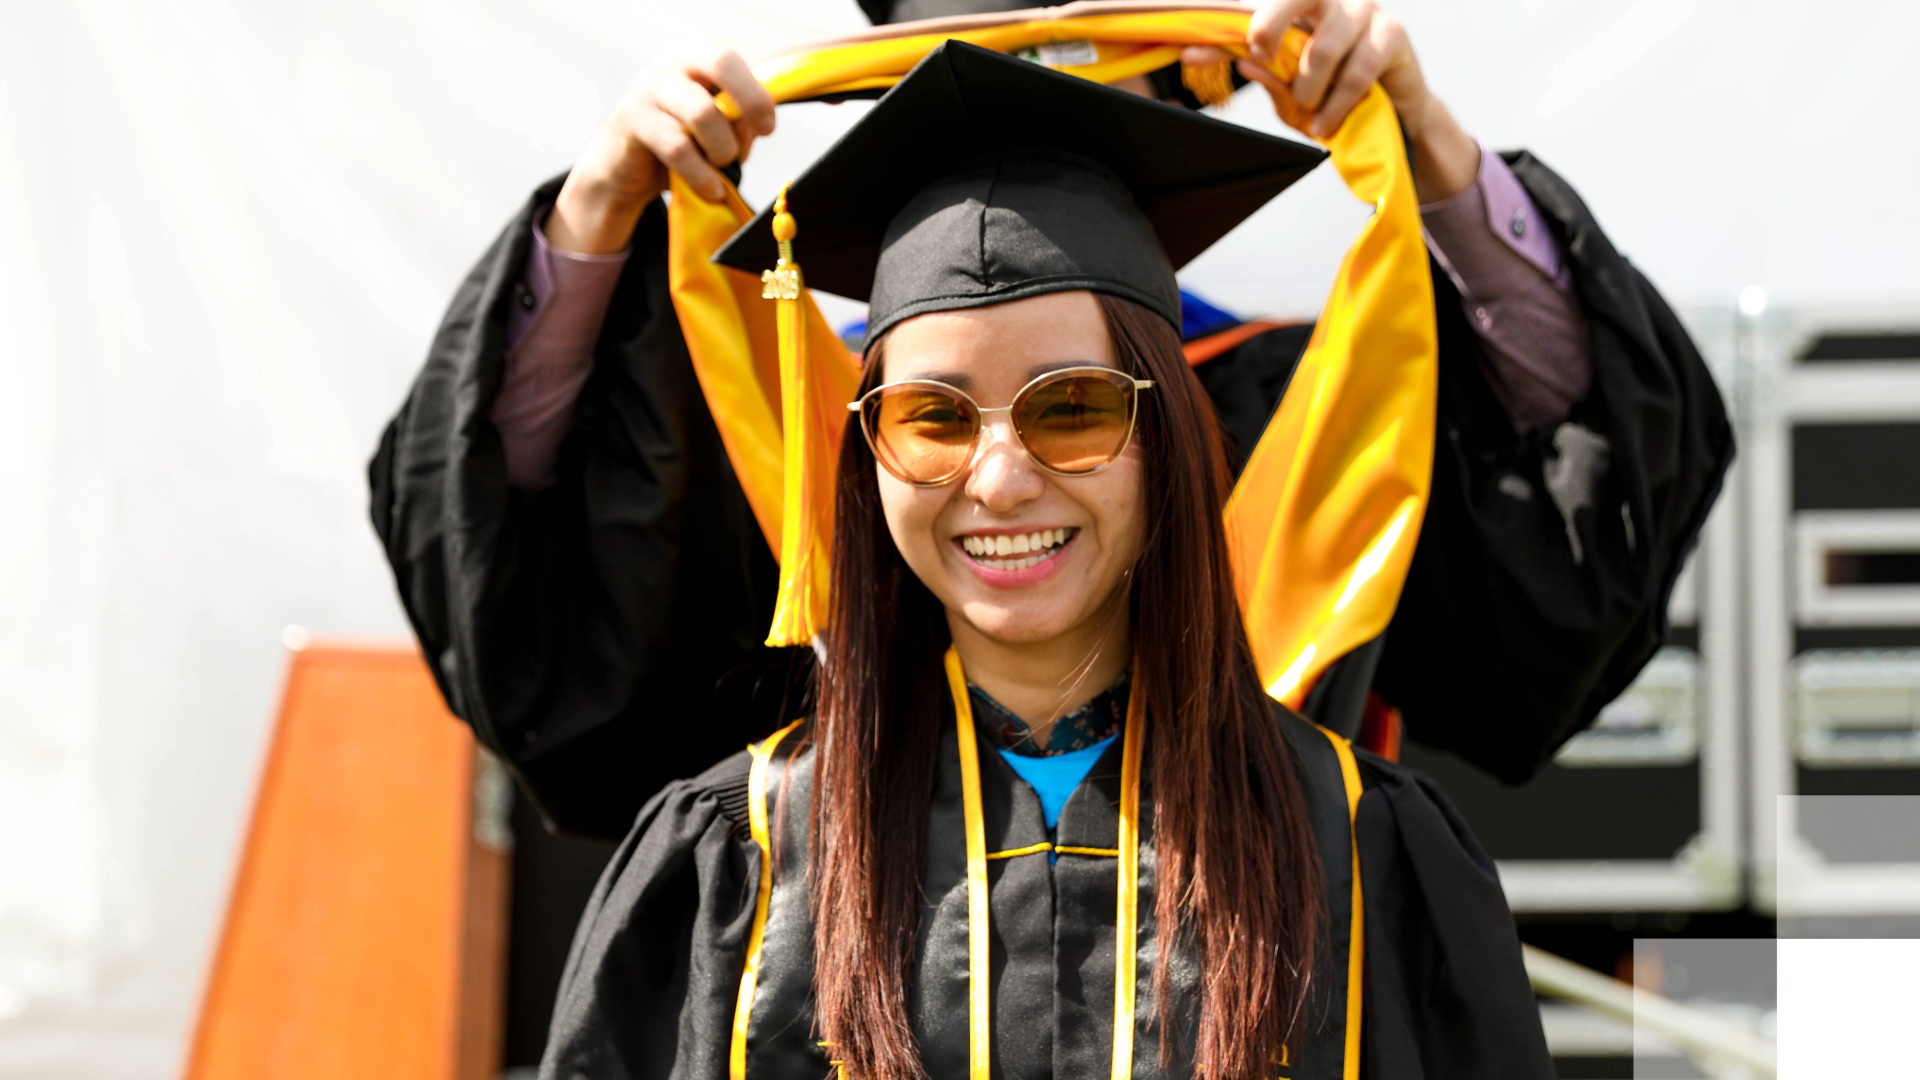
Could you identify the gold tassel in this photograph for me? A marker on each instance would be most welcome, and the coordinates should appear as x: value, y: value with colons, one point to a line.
x: 799, y: 611
x: 1211, y: 83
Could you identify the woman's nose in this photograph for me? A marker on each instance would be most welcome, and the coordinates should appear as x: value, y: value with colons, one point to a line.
x: 1002, y: 475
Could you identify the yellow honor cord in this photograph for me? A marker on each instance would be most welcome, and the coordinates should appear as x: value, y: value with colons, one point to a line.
x: 979, y: 916
x: 762, y: 839
x: 1014, y: 853
x: 979, y: 955
x: 1357, y: 931
x: 1126, y: 918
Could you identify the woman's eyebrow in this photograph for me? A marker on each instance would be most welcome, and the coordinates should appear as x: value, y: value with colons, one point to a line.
x: 1038, y: 370
x: 956, y: 379
x: 960, y: 380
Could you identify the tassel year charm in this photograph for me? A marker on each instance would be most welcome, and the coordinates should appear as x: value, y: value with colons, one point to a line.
x: 783, y: 281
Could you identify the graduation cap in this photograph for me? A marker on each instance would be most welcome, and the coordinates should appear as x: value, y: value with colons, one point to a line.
x: 981, y: 179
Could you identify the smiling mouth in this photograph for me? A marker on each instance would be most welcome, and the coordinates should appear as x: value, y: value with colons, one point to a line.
x: 1016, y: 552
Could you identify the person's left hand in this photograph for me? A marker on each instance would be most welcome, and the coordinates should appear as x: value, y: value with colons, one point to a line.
x: 1352, y: 44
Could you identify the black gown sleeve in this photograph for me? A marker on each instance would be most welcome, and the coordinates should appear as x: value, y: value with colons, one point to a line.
x: 654, y: 973
x: 1446, y: 994
x: 1539, y: 585
x: 575, y: 628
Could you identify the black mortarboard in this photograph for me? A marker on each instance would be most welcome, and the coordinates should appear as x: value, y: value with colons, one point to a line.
x: 881, y: 12
x: 1168, y: 83
x: 981, y: 178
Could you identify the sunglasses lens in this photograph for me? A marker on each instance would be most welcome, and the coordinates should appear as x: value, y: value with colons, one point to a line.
x: 921, y: 434
x: 1076, y: 423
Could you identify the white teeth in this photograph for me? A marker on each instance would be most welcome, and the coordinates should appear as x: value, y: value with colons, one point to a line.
x: 1033, y: 547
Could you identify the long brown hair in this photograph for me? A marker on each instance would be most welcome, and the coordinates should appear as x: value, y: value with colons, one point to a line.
x: 1237, y: 879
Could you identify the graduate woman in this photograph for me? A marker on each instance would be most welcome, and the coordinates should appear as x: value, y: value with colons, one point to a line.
x: 1029, y: 523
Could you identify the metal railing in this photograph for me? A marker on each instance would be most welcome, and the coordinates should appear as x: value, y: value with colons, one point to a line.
x: 1721, y: 1049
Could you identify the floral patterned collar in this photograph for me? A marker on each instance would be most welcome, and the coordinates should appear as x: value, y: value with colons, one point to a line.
x: 1085, y: 726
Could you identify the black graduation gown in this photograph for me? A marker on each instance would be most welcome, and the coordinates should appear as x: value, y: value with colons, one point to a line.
x: 654, y: 978
x: 578, y: 629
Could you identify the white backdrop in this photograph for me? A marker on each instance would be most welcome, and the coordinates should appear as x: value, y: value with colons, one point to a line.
x: 227, y: 230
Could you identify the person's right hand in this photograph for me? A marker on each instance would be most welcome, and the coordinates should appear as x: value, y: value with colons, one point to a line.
x: 667, y: 120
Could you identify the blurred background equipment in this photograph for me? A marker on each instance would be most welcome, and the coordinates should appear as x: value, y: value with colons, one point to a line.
x: 1833, y: 478
x: 1660, y: 1031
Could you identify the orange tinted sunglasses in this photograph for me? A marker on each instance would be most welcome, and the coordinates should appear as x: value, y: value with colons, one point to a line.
x: 1071, y: 422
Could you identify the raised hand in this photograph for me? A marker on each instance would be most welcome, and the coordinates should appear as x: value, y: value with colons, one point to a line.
x: 1352, y: 44
x: 668, y: 120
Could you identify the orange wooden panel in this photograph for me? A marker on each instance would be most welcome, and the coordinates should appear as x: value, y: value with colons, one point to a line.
x: 483, y: 1017
x: 366, y: 934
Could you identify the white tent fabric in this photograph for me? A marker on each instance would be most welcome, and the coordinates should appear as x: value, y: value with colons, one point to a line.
x: 228, y: 227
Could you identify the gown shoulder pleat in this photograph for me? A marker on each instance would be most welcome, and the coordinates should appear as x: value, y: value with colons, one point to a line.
x: 654, y: 972
x: 1446, y: 992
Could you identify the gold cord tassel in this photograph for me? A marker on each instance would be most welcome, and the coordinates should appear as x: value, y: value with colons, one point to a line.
x: 1211, y: 83
x: 800, y: 611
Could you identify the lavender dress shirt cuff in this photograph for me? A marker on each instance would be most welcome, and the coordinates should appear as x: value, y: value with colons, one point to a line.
x: 559, y: 307
x: 1516, y: 286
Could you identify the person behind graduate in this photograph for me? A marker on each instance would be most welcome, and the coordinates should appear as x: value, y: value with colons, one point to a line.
x: 591, y: 589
